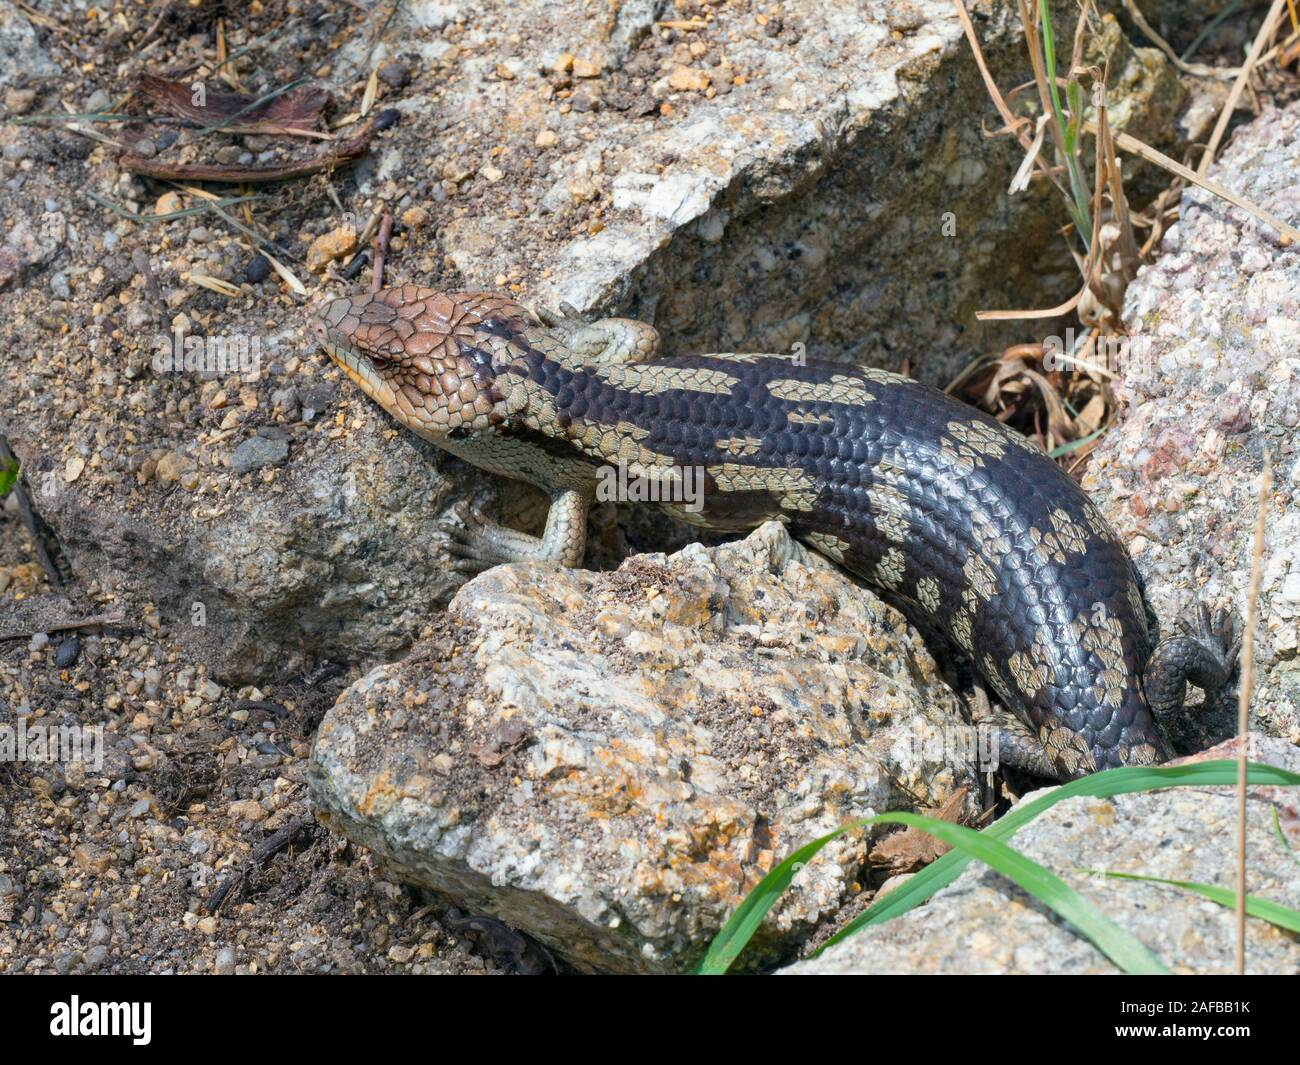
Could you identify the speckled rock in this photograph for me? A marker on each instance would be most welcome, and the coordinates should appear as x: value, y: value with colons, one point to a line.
x: 20, y: 48
x: 1211, y: 381
x: 1179, y: 834
x: 608, y: 762
x: 794, y: 185
x: 331, y: 555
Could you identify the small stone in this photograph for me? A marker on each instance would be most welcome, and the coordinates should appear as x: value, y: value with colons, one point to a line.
x: 90, y: 859
x: 316, y: 399
x: 689, y: 79
x: 330, y: 246
x: 172, y: 465
x: 546, y: 138
x: 415, y: 217
x: 258, y: 268
x: 257, y: 452
x: 224, y: 963
x: 492, y: 173
x: 19, y: 101
x: 1291, y: 588
x: 395, y: 74
x: 72, y: 468
x: 167, y: 203
x: 583, y: 68
x: 68, y: 653
x: 246, y: 810
x: 583, y: 189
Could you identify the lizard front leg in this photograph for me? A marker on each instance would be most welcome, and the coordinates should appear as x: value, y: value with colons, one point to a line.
x: 609, y: 341
x: 478, y: 543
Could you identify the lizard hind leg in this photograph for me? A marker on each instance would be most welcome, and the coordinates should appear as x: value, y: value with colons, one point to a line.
x: 1203, y: 653
x: 1012, y: 743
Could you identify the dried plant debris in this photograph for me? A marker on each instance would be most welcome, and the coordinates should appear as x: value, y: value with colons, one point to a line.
x: 1059, y: 393
x: 294, y: 110
x: 912, y: 848
x: 1062, y: 400
x: 291, y: 111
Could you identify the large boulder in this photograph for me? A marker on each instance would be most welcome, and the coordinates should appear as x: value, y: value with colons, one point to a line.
x: 609, y: 761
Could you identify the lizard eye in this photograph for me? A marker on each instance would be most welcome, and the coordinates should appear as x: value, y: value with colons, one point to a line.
x: 378, y: 361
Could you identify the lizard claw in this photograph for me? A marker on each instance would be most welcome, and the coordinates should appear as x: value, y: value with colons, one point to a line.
x: 568, y: 315
x: 466, y: 541
x: 1217, y: 632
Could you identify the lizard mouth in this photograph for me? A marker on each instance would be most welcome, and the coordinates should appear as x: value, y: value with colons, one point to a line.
x: 360, y: 369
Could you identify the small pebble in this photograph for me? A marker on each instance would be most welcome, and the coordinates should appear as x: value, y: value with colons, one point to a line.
x: 68, y: 653
x: 257, y: 269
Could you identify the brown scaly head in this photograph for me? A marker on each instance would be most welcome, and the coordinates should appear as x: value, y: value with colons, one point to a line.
x: 416, y: 352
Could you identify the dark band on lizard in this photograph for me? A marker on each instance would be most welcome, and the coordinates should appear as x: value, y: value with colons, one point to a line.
x: 968, y: 525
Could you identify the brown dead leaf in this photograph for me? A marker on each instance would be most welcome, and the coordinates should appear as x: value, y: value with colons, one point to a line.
x: 905, y: 851
x: 295, y: 111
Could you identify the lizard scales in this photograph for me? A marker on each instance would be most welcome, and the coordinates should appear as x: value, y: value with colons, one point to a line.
x: 970, y: 526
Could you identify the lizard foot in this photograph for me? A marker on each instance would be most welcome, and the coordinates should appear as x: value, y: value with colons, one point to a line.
x: 611, y: 341
x: 1219, y: 633
x: 1018, y: 748
x: 473, y: 539
x: 567, y: 315
x: 1203, y: 653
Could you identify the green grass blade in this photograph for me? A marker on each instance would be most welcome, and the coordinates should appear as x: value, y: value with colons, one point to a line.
x: 184, y: 212
x: 1082, y: 217
x: 1277, y: 825
x: 1125, y: 950
x: 915, y: 890
x: 8, y: 476
x: 741, y: 925
x: 1074, y: 445
x: 1074, y: 96
x: 1209, y: 28
x: 1273, y: 912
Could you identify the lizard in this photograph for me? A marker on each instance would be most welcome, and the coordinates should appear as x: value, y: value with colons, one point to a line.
x: 966, y: 524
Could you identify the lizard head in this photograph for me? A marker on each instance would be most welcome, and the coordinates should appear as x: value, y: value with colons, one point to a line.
x: 417, y: 353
